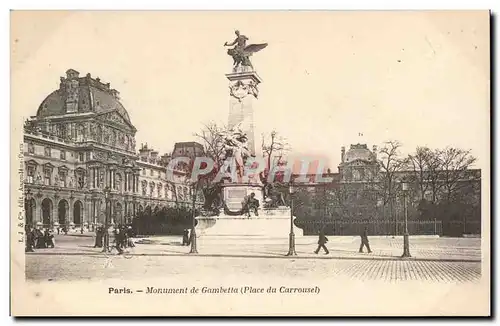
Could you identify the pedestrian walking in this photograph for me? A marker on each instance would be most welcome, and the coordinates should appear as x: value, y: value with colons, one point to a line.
x: 364, y: 241
x: 185, y: 237
x: 322, y: 240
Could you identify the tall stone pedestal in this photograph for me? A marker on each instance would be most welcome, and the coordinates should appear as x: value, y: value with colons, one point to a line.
x: 273, y: 223
x: 243, y: 91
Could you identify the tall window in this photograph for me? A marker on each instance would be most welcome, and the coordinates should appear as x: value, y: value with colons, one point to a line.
x: 151, y: 172
x: 144, y: 171
x: 62, y: 178
x: 47, y: 174
x: 47, y: 151
x: 159, y: 190
x: 151, y: 188
x: 31, y: 148
x: 63, y: 155
x: 144, y: 188
x: 80, y: 157
x: 31, y: 174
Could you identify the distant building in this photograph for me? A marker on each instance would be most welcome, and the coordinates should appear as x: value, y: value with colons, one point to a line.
x: 81, y: 141
x: 188, y: 149
x: 359, y: 192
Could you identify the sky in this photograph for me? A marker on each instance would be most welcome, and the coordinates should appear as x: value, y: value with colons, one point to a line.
x: 421, y: 78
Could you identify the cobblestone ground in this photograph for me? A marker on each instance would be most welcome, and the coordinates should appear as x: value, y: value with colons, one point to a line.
x: 434, y: 260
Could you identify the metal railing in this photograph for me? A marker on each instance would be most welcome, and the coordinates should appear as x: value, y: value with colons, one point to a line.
x: 375, y: 227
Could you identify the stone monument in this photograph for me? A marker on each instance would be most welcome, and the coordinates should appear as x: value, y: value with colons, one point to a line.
x: 243, y: 212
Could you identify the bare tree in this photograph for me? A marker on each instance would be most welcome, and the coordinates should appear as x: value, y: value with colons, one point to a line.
x: 423, y: 165
x: 274, y: 147
x: 212, y: 139
x: 213, y: 142
x: 390, y: 164
x: 455, y: 164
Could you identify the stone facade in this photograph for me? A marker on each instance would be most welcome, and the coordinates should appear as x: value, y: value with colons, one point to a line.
x: 82, y: 141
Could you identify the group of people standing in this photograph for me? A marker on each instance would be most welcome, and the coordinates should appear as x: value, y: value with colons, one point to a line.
x: 38, y: 238
x: 122, y: 237
x: 187, y: 237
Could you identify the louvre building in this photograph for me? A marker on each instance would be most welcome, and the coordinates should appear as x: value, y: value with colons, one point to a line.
x: 81, y: 142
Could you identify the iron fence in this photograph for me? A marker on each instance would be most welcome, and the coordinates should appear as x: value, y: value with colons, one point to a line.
x: 375, y: 227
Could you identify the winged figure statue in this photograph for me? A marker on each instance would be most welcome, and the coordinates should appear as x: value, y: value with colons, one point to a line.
x: 241, y: 52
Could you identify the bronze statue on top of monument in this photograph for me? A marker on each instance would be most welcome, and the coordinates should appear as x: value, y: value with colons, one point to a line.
x: 241, y: 52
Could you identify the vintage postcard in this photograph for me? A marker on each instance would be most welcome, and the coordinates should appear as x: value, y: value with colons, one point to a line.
x: 258, y: 163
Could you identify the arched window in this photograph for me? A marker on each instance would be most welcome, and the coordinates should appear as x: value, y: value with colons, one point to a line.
x: 160, y: 187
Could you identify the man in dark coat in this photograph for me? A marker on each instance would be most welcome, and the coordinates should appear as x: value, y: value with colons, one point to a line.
x: 40, y: 239
x: 30, y: 239
x: 98, y: 237
x: 185, y: 237
x: 364, y: 240
x: 322, y: 240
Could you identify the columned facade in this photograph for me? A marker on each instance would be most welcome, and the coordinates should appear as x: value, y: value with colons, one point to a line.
x: 80, y: 142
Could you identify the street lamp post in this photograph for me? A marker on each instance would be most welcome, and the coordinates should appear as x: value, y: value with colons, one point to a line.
x: 406, y: 236
x: 106, y: 234
x: 291, y: 241
x: 194, y: 249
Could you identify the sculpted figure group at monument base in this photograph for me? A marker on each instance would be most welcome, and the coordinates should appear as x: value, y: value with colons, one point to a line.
x: 236, y: 146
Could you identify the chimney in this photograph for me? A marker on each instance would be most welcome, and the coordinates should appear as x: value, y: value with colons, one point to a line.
x: 72, y: 73
x: 144, y: 151
x: 115, y: 93
x: 342, y: 154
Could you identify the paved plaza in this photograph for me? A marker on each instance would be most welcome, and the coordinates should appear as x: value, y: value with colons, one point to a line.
x: 433, y: 259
